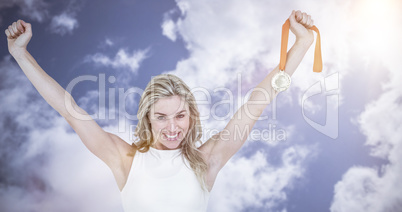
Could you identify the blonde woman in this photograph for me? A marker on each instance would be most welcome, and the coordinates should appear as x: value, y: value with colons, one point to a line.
x: 163, y: 170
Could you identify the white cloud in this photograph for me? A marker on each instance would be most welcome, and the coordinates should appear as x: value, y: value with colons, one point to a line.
x: 33, y: 9
x: 122, y: 59
x: 253, y: 182
x: 63, y: 24
x: 168, y: 26
x: 169, y: 30
x: 47, y: 167
x: 38, y: 10
x: 109, y: 42
x: 223, y: 41
x: 73, y: 170
x: 377, y: 188
x: 363, y: 189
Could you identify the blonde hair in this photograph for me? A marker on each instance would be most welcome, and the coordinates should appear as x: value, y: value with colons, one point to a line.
x: 167, y: 85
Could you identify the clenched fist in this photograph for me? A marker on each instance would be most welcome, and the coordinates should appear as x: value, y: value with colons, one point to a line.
x: 18, y: 36
x: 300, y: 24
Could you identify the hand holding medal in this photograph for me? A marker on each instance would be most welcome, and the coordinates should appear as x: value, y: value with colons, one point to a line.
x: 301, y: 25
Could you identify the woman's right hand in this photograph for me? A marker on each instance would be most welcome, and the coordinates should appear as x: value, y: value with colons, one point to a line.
x: 18, y: 36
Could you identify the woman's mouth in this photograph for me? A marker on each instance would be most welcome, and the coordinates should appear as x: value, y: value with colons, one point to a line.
x: 172, y: 137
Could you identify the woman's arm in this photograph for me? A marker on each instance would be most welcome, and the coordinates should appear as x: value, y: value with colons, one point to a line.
x: 109, y: 148
x: 226, y: 143
x: 48, y: 88
x: 263, y: 93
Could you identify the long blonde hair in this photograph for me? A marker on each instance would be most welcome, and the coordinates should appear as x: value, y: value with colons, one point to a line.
x: 167, y: 85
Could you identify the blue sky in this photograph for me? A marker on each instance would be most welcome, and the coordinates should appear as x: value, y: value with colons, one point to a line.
x: 221, y: 49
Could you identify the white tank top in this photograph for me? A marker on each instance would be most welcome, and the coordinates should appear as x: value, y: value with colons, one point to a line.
x: 160, y: 181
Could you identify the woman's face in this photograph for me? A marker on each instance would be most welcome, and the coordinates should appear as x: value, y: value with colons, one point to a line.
x: 170, y: 120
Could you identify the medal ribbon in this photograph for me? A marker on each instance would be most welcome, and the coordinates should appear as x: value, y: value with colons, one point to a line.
x: 284, y: 47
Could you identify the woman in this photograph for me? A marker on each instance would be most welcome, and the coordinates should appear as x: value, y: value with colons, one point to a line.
x: 149, y: 173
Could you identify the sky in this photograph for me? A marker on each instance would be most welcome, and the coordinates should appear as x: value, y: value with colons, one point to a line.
x: 331, y: 142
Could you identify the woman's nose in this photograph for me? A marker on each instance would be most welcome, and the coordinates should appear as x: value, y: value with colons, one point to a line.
x: 172, y: 125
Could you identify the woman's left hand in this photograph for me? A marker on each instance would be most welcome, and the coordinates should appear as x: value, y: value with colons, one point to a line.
x: 300, y: 24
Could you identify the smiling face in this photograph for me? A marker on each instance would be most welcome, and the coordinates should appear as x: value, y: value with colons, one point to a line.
x: 170, y: 120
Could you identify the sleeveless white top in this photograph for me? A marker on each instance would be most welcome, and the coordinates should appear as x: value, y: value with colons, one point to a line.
x: 159, y: 180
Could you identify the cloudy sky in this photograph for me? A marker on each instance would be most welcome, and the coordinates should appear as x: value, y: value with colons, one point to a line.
x: 331, y: 142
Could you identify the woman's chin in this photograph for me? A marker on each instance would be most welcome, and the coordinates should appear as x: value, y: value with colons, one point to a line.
x: 171, y: 144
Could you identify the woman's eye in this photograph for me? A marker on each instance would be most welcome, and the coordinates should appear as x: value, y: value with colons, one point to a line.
x: 160, y: 117
x: 180, y: 116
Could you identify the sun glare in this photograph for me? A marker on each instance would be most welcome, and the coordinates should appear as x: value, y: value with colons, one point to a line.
x: 376, y: 23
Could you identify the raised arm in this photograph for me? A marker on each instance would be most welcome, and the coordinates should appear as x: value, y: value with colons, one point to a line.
x: 108, y: 147
x: 222, y: 146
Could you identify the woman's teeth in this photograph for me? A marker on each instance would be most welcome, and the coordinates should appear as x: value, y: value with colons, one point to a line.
x: 173, y: 136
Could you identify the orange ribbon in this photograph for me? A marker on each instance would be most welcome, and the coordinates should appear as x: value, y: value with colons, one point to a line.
x: 284, y: 47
